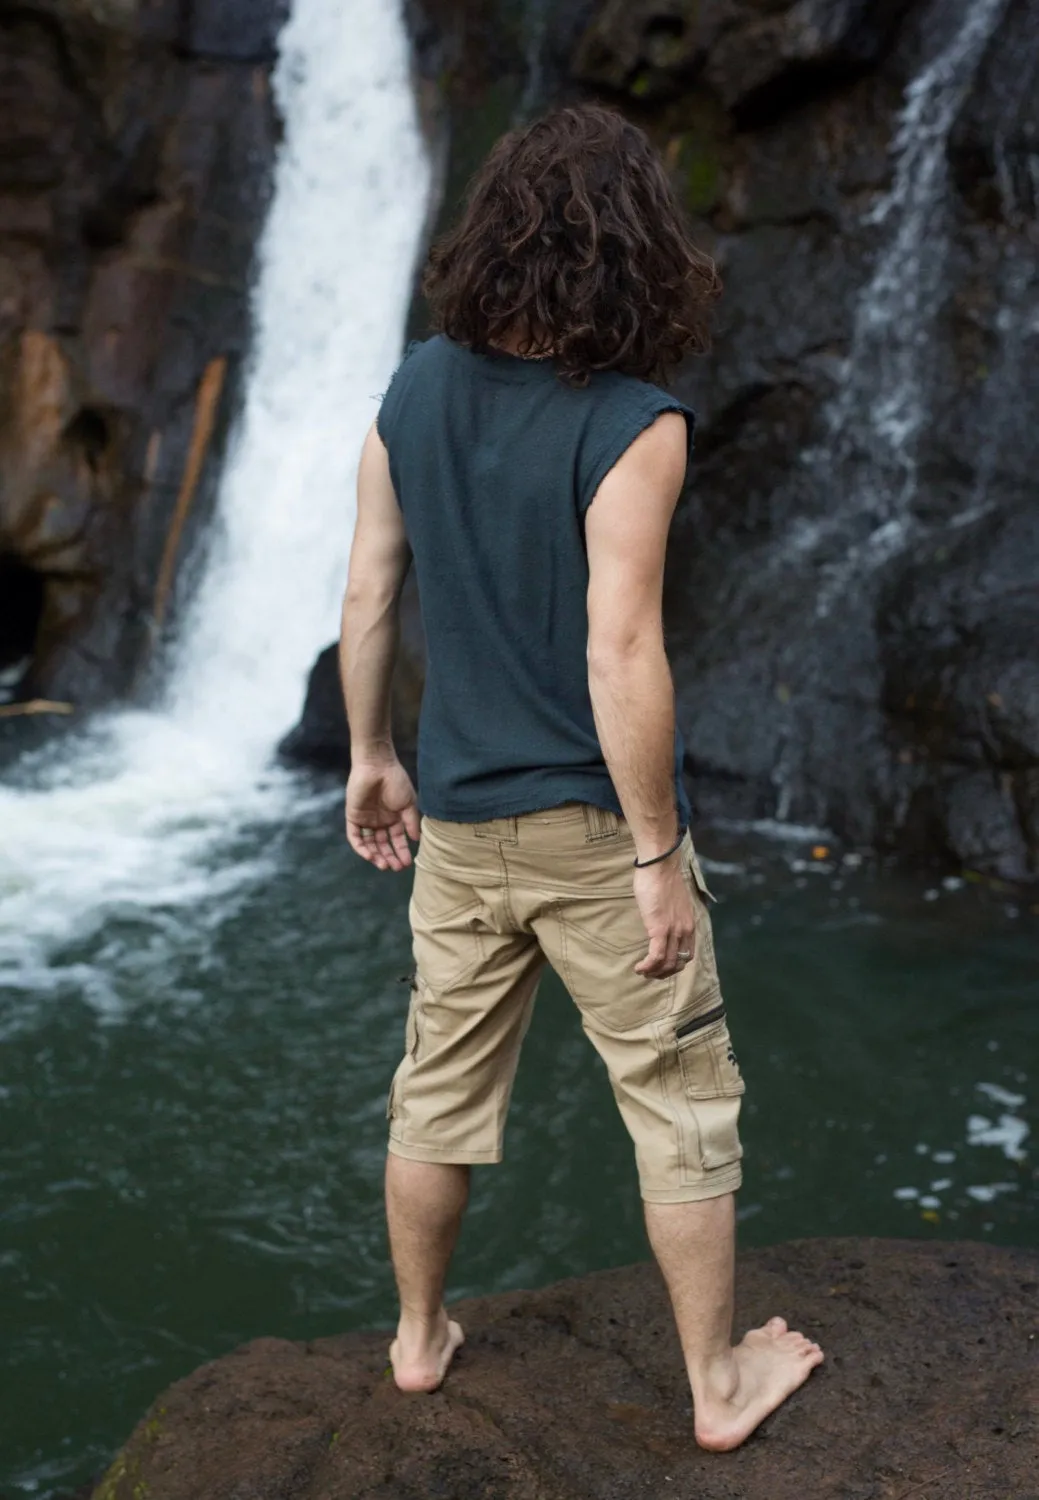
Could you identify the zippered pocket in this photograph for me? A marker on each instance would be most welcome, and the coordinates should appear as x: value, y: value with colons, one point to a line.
x: 706, y: 1058
x: 697, y: 1023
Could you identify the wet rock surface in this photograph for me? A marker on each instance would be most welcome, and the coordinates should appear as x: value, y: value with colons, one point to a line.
x: 853, y: 572
x: 138, y: 139
x: 860, y: 525
x: 849, y: 624
x: 931, y: 1386
x: 322, y: 736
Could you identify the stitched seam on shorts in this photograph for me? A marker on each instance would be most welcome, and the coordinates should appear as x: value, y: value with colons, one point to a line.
x: 506, y: 894
x: 488, y: 1155
x: 511, y: 838
x: 568, y: 978
x: 720, y: 1180
x: 680, y: 1135
x: 597, y: 824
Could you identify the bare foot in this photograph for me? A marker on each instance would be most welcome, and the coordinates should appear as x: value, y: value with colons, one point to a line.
x: 735, y: 1395
x: 422, y: 1352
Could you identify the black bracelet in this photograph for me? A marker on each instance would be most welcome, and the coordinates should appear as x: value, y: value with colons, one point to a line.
x: 644, y: 864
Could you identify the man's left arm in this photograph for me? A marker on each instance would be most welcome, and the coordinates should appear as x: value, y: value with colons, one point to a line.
x: 381, y: 807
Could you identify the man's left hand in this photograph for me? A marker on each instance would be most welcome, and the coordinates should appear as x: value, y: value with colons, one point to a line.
x: 381, y: 815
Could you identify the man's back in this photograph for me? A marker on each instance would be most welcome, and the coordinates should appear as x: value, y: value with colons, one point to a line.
x: 495, y: 461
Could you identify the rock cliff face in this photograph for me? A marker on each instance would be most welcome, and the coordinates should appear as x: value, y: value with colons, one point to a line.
x: 138, y: 136
x: 578, y: 1393
x: 853, y: 586
x: 852, y: 596
x: 853, y: 593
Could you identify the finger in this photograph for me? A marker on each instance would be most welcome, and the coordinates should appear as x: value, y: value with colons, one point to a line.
x: 358, y: 844
x: 367, y: 845
x: 412, y: 822
x: 672, y: 963
x: 400, y: 844
x: 652, y: 964
x: 385, y: 848
x: 378, y: 858
x: 388, y: 848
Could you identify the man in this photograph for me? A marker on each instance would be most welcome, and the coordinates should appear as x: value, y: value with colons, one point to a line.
x: 524, y: 463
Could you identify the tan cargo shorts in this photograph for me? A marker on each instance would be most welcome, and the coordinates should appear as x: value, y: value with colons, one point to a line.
x: 492, y: 903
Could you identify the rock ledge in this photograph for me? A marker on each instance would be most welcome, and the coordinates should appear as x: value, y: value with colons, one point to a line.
x: 575, y: 1393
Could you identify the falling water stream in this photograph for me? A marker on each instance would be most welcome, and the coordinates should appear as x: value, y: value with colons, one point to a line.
x: 135, y: 814
x: 876, y: 421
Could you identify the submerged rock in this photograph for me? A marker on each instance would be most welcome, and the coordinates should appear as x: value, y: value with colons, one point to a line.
x: 578, y: 1391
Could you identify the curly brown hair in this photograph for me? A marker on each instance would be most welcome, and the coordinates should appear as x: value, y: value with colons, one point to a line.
x: 573, y: 243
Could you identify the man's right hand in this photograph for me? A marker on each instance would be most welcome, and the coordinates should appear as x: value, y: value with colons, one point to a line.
x: 382, y: 814
x: 669, y: 913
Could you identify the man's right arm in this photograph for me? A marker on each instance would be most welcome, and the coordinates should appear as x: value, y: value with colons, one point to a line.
x: 626, y: 531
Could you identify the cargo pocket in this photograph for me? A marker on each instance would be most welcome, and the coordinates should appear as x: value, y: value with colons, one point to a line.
x: 695, y: 874
x: 711, y: 1083
x: 701, y: 974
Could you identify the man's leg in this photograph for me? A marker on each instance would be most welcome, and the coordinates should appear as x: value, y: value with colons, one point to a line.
x: 670, y: 1058
x: 734, y: 1389
x: 424, y: 1206
x: 476, y: 975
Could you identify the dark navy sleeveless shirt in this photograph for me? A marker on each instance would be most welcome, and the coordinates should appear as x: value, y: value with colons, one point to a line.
x: 495, y: 462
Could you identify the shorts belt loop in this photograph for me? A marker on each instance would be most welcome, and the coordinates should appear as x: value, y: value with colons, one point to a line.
x: 497, y: 830
x: 599, y: 823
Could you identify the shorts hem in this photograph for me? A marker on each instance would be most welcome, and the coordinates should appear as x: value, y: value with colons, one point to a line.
x: 448, y: 1156
x: 697, y: 1192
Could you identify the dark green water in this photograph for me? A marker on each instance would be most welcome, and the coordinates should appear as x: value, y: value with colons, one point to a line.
x: 197, y: 1160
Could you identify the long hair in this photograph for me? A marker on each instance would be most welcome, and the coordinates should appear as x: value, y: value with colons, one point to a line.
x: 573, y: 243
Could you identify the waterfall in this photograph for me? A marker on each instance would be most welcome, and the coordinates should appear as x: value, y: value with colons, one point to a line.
x: 140, y: 815
x: 868, y: 467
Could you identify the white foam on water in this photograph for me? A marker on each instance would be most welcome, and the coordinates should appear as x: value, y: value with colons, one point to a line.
x: 140, y: 812
x: 1008, y: 1133
x: 988, y: 1192
x: 999, y: 1095
x: 775, y: 828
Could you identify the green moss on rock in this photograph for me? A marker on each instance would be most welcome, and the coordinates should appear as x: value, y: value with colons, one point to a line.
x: 123, y: 1480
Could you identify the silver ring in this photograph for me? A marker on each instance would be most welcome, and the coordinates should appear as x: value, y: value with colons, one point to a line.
x: 685, y: 956
x: 367, y: 833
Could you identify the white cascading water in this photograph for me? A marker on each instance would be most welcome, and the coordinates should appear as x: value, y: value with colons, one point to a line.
x: 132, y: 818
x: 876, y: 420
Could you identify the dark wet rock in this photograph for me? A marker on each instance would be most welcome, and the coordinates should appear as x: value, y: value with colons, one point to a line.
x: 138, y: 139
x: 962, y: 690
x: 322, y: 736
x: 757, y: 59
x: 238, y: 30
x: 866, y: 419
x: 578, y: 1392
x: 994, y: 143
x: 858, y: 528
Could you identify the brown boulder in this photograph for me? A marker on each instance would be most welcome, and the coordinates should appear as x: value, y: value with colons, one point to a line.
x: 931, y: 1388
x: 138, y: 141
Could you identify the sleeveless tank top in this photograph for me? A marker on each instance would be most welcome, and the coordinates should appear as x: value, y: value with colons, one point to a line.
x: 495, y: 462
